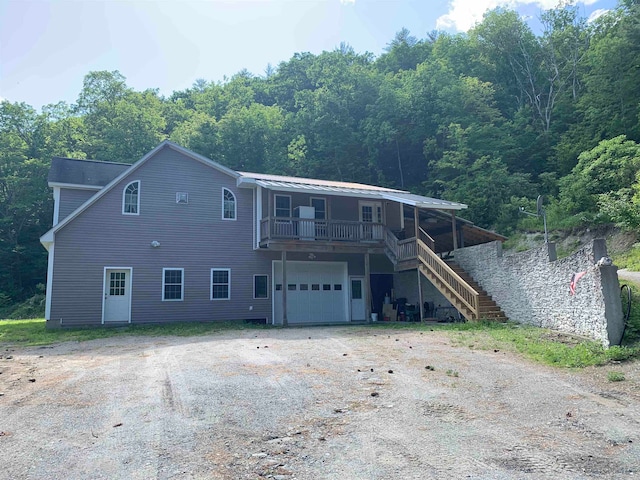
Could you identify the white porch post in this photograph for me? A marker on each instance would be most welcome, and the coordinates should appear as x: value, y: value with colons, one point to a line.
x: 285, y: 320
x: 367, y: 287
x: 416, y: 217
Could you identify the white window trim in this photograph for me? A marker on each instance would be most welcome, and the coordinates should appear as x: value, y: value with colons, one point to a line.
x: 254, y: 286
x: 275, y: 203
x: 235, y: 205
x: 124, y: 191
x: 228, y: 270
x: 311, y: 199
x: 163, y: 285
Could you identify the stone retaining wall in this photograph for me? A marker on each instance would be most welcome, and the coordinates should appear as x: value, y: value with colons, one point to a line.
x: 533, y: 290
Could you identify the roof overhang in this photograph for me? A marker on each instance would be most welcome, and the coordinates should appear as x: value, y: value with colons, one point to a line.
x: 74, y: 186
x: 284, y: 184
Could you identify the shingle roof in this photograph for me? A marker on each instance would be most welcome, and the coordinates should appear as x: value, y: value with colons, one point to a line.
x: 84, y: 172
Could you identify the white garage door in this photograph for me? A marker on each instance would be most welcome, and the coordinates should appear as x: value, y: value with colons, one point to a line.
x: 317, y: 292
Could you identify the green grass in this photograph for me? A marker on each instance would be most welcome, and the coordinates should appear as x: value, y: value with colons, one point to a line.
x: 33, y: 332
x: 545, y: 346
x: 539, y: 344
x: 629, y: 259
x: 542, y: 345
x: 614, y: 376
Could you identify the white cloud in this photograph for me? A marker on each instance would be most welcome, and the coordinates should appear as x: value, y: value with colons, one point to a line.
x: 464, y: 14
x: 596, y: 14
x: 348, y: 2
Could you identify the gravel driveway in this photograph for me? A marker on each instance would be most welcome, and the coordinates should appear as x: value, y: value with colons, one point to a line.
x: 309, y: 403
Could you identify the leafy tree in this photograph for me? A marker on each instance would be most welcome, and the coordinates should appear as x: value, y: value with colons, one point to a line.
x: 25, y: 203
x: 611, y: 166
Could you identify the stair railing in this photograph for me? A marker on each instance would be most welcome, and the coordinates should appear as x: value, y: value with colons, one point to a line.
x: 456, y: 286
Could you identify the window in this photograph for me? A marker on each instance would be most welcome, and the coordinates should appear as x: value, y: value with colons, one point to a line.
x: 283, y: 206
x: 320, y: 205
x: 229, y: 210
x: 116, y: 283
x: 182, y: 197
x: 337, y: 287
x: 326, y: 286
x: 220, y: 284
x: 172, y: 284
x: 131, y: 199
x: 260, y: 286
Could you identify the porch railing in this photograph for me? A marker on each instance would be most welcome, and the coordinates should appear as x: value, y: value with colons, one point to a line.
x: 284, y: 228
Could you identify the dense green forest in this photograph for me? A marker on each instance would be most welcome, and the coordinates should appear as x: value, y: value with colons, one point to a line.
x: 490, y: 118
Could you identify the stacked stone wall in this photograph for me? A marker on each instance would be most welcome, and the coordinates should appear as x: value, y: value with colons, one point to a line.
x: 533, y: 290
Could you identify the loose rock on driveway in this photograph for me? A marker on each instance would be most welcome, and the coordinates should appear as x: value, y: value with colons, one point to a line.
x: 309, y: 403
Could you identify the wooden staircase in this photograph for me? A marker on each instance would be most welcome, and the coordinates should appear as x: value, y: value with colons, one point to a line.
x: 457, y: 286
x: 488, y: 309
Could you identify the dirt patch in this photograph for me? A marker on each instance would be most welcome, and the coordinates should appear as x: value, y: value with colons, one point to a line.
x: 404, y: 404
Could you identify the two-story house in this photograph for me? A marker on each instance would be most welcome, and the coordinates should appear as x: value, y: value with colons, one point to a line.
x: 178, y: 237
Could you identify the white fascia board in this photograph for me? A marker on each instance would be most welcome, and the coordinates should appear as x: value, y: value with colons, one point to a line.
x: 74, y: 186
x: 432, y: 206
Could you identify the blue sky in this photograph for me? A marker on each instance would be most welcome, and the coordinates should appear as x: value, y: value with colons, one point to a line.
x: 46, y: 47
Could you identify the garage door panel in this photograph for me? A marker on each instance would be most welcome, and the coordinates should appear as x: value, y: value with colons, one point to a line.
x: 312, y: 296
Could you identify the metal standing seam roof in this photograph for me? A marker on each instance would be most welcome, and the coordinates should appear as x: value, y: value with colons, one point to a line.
x: 310, y: 185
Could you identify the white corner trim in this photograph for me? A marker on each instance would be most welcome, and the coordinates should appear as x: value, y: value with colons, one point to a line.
x: 258, y: 210
x: 47, y: 308
x: 56, y: 205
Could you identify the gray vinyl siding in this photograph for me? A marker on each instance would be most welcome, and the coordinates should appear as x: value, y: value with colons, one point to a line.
x: 72, y: 198
x: 193, y: 237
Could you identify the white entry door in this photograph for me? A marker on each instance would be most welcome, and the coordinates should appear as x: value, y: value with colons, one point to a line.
x: 371, y: 212
x: 117, y: 295
x: 357, y: 299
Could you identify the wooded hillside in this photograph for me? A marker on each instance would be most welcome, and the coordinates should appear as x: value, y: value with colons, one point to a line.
x: 490, y: 118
